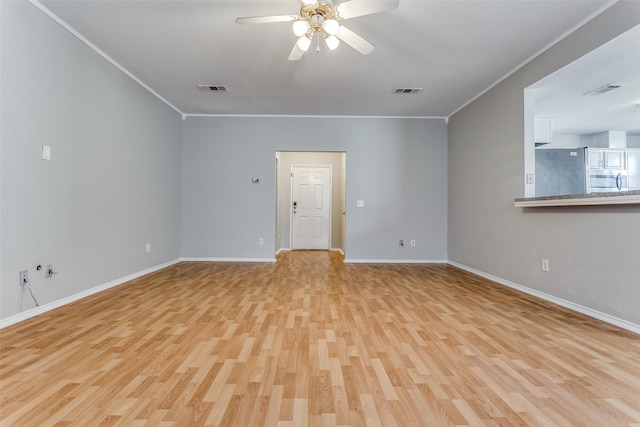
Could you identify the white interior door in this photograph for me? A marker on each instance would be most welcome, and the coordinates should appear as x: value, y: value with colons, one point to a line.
x: 310, y: 207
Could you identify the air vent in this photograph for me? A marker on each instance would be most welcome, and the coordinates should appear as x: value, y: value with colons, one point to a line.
x: 213, y: 88
x: 407, y: 90
x: 604, y: 89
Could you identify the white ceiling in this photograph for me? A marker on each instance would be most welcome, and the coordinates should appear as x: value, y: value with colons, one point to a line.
x: 566, y: 95
x: 453, y: 49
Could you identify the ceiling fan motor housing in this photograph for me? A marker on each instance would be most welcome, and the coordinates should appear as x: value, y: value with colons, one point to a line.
x: 323, y: 18
x: 316, y: 14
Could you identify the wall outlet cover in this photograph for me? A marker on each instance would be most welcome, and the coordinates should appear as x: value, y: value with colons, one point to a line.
x: 530, y: 178
x: 46, y: 152
x: 24, y: 277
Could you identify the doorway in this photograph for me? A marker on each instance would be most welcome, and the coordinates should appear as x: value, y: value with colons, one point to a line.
x: 285, y: 160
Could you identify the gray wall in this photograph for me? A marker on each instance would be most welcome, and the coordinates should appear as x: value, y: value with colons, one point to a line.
x: 124, y: 170
x: 113, y: 182
x: 288, y: 158
x: 633, y: 141
x: 594, y: 253
x: 398, y: 166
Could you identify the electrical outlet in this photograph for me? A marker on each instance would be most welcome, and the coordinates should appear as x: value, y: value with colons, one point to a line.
x: 401, y: 242
x: 46, y: 152
x: 530, y: 178
x: 148, y: 247
x: 413, y: 243
x: 261, y: 241
x: 545, y: 265
x: 24, y: 277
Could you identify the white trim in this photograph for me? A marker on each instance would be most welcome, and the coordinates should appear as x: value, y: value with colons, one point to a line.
x: 538, y: 53
x: 207, y: 259
x: 330, y: 250
x: 80, y: 295
x: 113, y: 62
x: 550, y: 298
x: 183, y: 115
x: 308, y: 116
x: 607, y: 318
x: 395, y: 261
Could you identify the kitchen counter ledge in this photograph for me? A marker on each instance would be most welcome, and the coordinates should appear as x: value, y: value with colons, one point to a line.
x: 592, y: 199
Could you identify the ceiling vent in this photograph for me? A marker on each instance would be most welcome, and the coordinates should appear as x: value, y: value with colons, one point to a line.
x: 604, y: 89
x: 407, y: 90
x: 213, y: 88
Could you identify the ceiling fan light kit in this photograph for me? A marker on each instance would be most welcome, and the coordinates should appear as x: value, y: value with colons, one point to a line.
x: 303, y: 42
x: 322, y: 19
x: 300, y: 28
x: 331, y: 27
x: 332, y: 42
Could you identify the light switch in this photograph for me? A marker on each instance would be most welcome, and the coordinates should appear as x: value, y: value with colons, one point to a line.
x: 359, y: 203
x: 46, y: 152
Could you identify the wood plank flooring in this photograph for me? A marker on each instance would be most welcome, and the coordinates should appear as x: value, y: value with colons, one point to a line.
x: 309, y: 341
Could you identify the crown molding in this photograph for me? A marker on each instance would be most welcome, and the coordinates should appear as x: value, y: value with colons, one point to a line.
x: 96, y: 49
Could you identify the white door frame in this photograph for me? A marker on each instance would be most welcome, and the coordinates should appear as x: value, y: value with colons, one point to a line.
x: 330, y: 231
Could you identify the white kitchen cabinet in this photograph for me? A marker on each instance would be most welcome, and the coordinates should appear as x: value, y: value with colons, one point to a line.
x: 633, y: 168
x: 596, y: 159
x: 543, y: 130
x: 614, y: 159
x: 607, y: 159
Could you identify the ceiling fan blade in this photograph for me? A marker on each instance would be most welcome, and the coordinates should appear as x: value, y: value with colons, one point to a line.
x: 296, y: 53
x: 352, y: 9
x: 266, y: 19
x: 354, y: 40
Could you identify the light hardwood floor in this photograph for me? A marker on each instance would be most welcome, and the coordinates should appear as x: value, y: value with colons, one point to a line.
x: 311, y: 341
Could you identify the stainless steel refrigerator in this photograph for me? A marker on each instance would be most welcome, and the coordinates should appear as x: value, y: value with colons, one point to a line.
x: 561, y: 171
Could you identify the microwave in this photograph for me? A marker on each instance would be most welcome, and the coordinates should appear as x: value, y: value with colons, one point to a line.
x: 601, y: 181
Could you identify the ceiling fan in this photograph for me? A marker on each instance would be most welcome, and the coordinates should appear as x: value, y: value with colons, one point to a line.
x: 322, y: 19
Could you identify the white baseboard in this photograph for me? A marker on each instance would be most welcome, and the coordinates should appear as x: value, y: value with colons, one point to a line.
x: 331, y: 250
x: 229, y: 259
x: 550, y: 298
x: 621, y: 323
x: 80, y: 295
x: 395, y: 261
